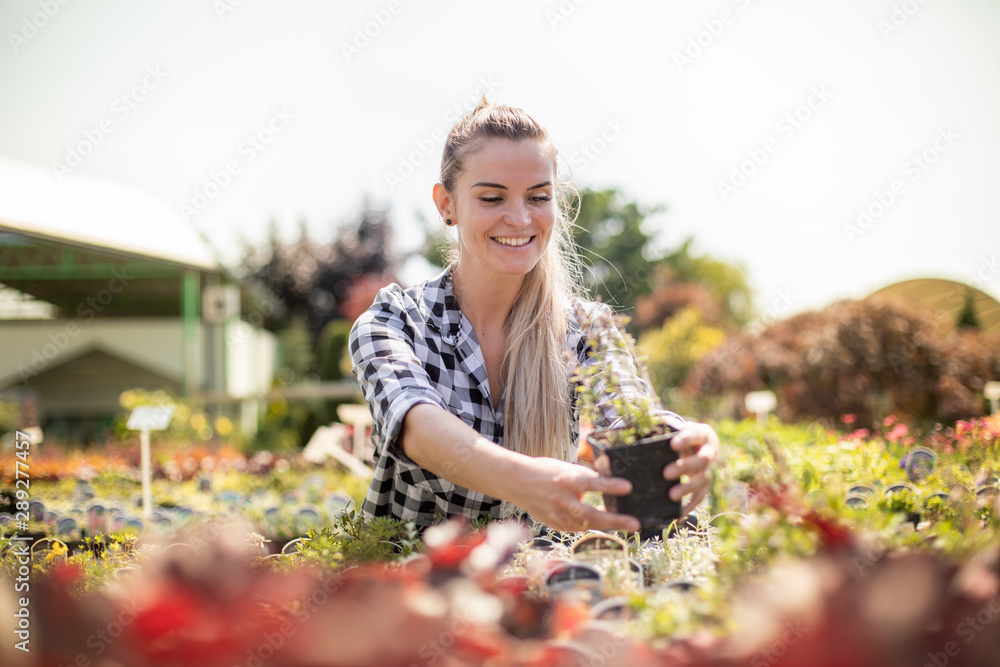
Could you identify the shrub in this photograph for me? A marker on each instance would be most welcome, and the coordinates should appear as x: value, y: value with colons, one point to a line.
x: 869, y: 358
x: 672, y: 350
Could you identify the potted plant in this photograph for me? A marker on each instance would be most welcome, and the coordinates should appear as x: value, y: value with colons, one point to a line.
x: 612, y: 387
x: 902, y: 498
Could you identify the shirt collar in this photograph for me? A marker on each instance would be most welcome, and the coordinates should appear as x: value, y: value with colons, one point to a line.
x: 443, y: 313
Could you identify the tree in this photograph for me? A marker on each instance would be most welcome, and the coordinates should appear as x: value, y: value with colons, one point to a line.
x: 322, y: 288
x: 869, y: 358
x: 316, y: 281
x: 726, y: 282
x: 285, y: 270
x: 615, y: 248
x: 967, y: 317
x: 438, y: 242
x: 611, y: 241
x: 362, y: 256
x: 626, y: 271
x: 672, y: 350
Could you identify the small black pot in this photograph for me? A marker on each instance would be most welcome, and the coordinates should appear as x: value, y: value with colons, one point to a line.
x: 641, y: 463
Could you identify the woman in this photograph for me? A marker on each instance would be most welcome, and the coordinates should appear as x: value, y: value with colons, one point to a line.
x: 466, y: 375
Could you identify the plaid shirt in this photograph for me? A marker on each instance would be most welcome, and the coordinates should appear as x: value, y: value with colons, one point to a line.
x: 415, y: 346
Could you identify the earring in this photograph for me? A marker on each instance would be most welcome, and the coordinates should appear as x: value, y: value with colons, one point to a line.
x: 449, y: 222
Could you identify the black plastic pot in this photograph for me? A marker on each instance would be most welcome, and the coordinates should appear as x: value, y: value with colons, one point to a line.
x: 641, y: 463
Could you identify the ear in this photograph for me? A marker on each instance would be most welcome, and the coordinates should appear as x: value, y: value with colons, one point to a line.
x: 443, y: 201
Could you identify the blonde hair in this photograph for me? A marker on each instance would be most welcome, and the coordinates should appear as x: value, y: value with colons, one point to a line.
x: 536, y: 416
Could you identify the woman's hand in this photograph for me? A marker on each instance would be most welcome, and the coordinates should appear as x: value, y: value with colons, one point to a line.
x: 551, y: 492
x: 699, y: 448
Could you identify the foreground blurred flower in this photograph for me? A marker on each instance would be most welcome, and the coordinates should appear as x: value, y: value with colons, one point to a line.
x: 180, y: 609
x: 898, y: 432
x: 207, y: 602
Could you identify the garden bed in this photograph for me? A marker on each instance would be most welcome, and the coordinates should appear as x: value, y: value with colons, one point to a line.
x: 810, y: 554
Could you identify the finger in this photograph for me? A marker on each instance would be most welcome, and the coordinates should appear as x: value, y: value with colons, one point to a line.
x: 616, y: 486
x: 600, y: 520
x: 583, y: 517
x: 626, y: 522
x: 699, y: 459
x: 689, y: 465
x: 695, y: 501
x: 692, y: 436
x: 693, y: 485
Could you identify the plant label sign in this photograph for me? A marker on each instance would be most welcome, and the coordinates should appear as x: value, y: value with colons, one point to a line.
x: 760, y: 403
x: 144, y: 419
x: 150, y: 418
x: 991, y: 390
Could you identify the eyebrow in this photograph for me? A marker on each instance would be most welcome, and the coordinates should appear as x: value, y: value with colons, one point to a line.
x: 504, y: 187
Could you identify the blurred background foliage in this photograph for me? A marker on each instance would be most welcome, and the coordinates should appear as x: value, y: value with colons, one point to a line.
x: 690, y: 313
x: 625, y: 269
x: 868, y: 358
x: 321, y: 288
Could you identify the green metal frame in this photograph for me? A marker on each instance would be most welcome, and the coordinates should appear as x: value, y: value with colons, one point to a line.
x: 50, y: 262
x: 190, y: 309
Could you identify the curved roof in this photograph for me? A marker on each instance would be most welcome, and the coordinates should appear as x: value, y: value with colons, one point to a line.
x: 97, y: 213
x: 949, y: 296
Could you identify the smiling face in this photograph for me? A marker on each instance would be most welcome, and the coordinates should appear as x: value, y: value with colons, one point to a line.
x: 504, y: 208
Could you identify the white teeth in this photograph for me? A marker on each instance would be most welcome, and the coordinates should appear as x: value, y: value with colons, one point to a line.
x: 511, y: 241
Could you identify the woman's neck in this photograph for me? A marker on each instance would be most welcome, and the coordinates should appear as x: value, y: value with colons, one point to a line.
x: 485, y: 303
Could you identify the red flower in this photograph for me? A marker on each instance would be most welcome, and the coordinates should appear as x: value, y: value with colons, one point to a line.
x: 897, y: 432
x: 66, y: 575
x: 450, y: 543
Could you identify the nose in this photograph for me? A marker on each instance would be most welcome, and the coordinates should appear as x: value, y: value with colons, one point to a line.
x: 517, y: 215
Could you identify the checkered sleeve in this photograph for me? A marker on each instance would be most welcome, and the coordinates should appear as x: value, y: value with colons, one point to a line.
x: 385, y: 349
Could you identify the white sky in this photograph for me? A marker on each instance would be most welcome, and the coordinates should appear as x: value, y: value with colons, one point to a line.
x: 675, y: 131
